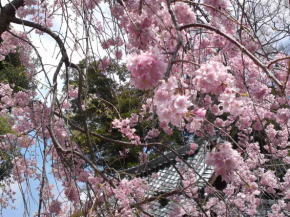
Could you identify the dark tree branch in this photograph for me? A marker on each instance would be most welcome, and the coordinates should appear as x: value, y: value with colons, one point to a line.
x: 7, y: 13
x: 50, y: 33
x: 239, y: 45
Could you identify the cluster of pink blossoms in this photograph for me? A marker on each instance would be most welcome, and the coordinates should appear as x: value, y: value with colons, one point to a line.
x: 225, y: 160
x: 146, y: 69
x: 170, y: 107
x: 55, y: 207
x: 126, y: 127
x: 72, y: 193
x: 140, y: 32
x: 153, y: 133
x: 128, y: 192
x: 184, y: 14
x: 212, y: 77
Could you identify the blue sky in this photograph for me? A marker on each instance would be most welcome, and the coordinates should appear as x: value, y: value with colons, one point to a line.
x: 32, y: 193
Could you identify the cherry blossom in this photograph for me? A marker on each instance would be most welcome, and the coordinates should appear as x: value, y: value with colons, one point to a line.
x: 146, y: 69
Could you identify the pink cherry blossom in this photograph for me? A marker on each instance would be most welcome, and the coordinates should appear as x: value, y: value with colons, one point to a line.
x: 55, y: 207
x: 146, y: 69
x: 225, y: 160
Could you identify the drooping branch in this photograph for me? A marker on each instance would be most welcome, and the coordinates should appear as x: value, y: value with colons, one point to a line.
x: 56, y: 37
x: 277, y: 60
x: 60, y: 149
x: 239, y: 45
x: 97, y: 135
